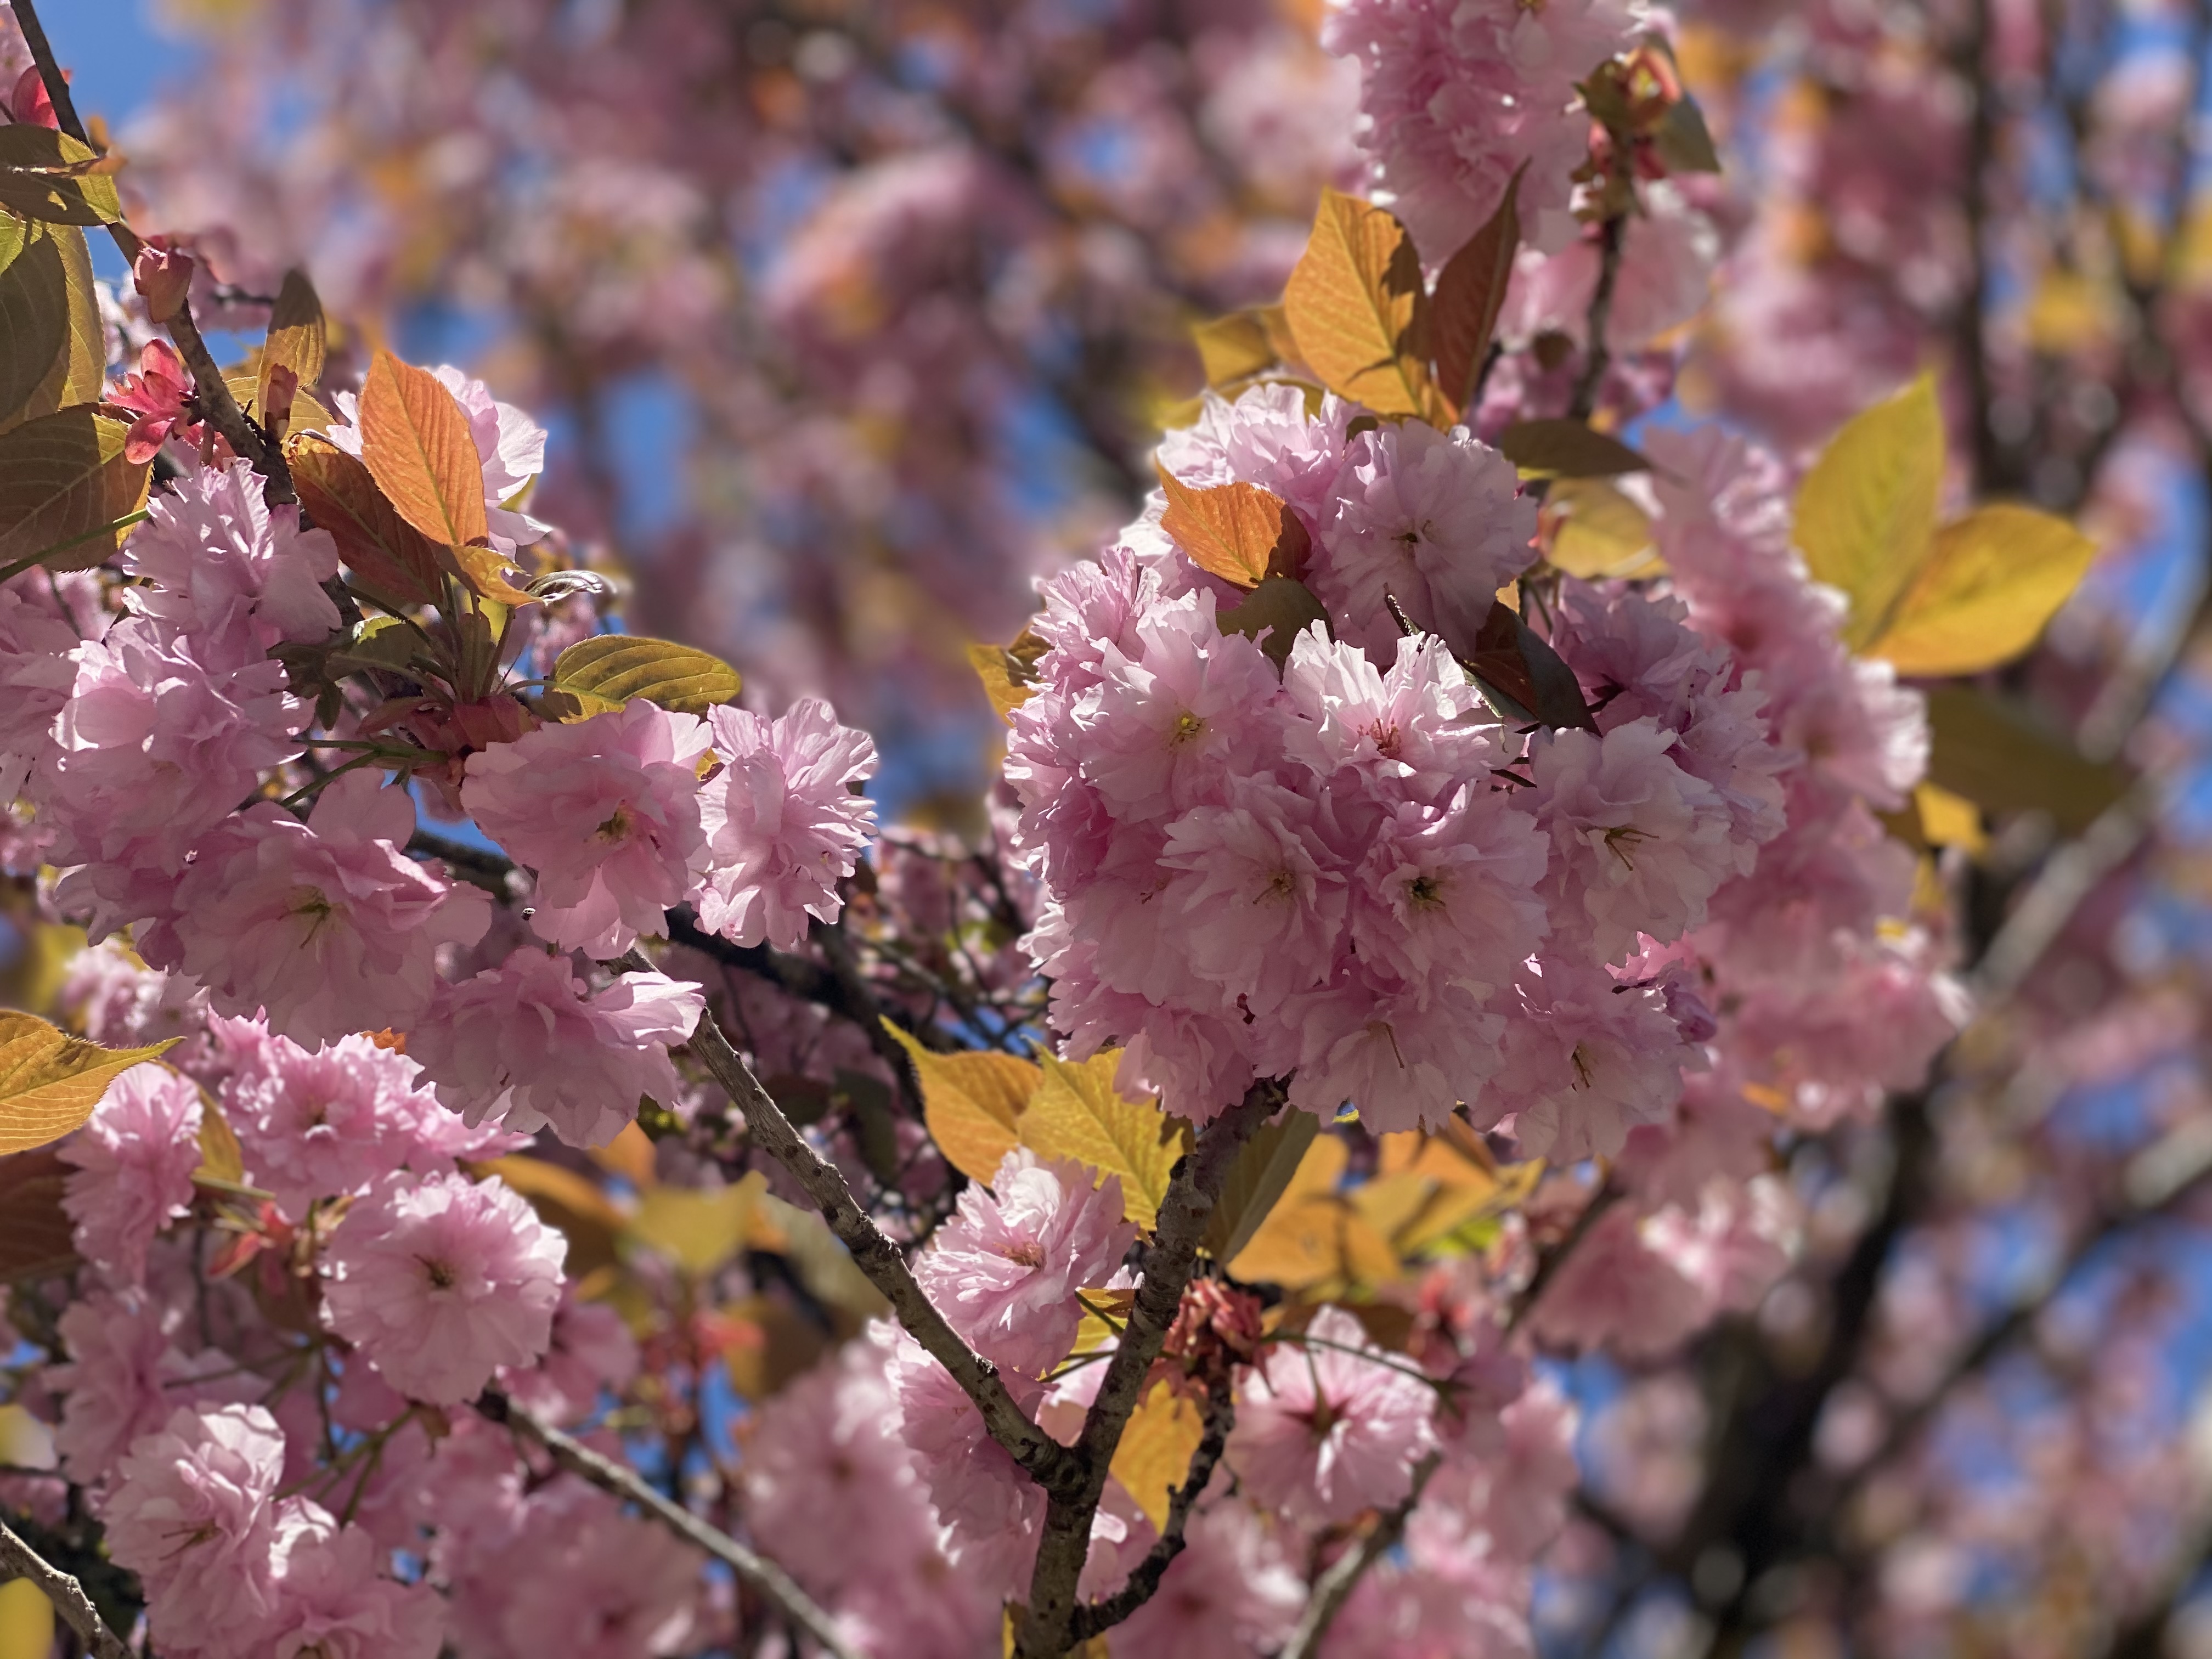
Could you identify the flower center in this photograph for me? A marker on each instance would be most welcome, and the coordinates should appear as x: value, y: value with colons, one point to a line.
x: 1424, y: 893
x: 616, y: 827
x: 1619, y: 840
x: 440, y: 1275
x: 1029, y: 1253
x: 1187, y: 727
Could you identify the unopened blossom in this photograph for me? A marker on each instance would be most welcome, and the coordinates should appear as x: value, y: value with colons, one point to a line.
x: 1433, y: 519
x: 328, y: 926
x: 1331, y: 1426
x: 191, y: 1510
x: 218, y: 561
x: 782, y: 826
x: 1005, y: 1270
x: 439, y: 1280
x: 606, y: 813
x: 133, y: 1163
x: 528, y: 1044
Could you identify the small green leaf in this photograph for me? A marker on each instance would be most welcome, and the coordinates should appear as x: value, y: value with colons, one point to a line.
x: 620, y: 667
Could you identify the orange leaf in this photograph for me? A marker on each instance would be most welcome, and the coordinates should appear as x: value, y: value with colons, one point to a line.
x: 1238, y: 531
x: 416, y: 439
x: 1470, y: 290
x: 1357, y: 307
x: 395, y: 562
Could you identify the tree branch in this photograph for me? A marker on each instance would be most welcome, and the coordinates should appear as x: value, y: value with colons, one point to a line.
x: 18, y: 1561
x: 1596, y: 357
x: 1335, y: 1587
x: 217, y: 404
x: 1050, y: 1464
x: 609, y: 1476
x: 1192, y: 1193
x: 1093, y: 1618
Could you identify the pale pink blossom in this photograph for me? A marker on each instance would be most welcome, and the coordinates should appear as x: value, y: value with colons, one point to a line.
x: 783, y: 827
x: 120, y: 1003
x: 125, y: 1375
x: 528, y: 1044
x: 1330, y: 1426
x: 1404, y: 1060
x: 1232, y: 1592
x: 606, y: 812
x: 133, y: 1164
x: 1420, y: 724
x: 193, y: 1511
x: 1616, y: 1291
x: 1264, y: 437
x: 328, y: 926
x: 1585, y: 1059
x: 591, y: 1352
x: 1005, y: 1269
x: 217, y: 559
x: 36, y: 673
x: 1451, y: 894
x: 1433, y: 519
x: 439, y: 1280
x: 332, y: 1602
x: 1668, y: 253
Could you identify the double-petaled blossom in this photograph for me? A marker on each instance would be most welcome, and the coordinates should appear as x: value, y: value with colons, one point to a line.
x: 334, y: 1600
x: 782, y: 826
x: 218, y: 561
x: 438, y: 1281
x: 605, y: 814
x: 133, y: 1164
x: 529, y: 1045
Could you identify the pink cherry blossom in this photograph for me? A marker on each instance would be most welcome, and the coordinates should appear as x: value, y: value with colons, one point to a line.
x: 606, y: 812
x: 333, y: 1602
x: 126, y: 1376
x: 218, y: 561
x: 1232, y: 1591
x: 1585, y: 1059
x: 326, y: 926
x: 1404, y: 1060
x: 1004, y: 1271
x: 782, y: 827
x: 192, y: 1512
x: 1451, y: 894
x: 1331, y: 1426
x: 36, y: 672
x: 528, y: 1044
x: 591, y: 1352
x: 133, y: 1164
x: 440, y: 1280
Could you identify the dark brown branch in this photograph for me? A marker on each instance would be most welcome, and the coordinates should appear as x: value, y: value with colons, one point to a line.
x: 1093, y: 1618
x: 18, y: 1561
x: 1335, y: 1587
x: 763, y: 1576
x: 1597, y: 357
x: 1050, y: 1464
x: 217, y: 404
x: 1192, y: 1193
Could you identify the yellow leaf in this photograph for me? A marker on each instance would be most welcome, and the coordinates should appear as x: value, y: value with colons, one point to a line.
x: 49, y: 356
x: 971, y: 1103
x: 1359, y: 312
x: 297, y: 338
x: 1154, y: 1456
x: 629, y: 1155
x: 1232, y: 348
x: 50, y: 1081
x: 309, y: 413
x: 1597, y: 533
x: 1105, y: 1316
x: 26, y: 1621
x: 620, y: 667
x: 1238, y: 531
x: 1008, y: 672
x: 697, y: 1228
x: 65, y: 486
x: 1949, y: 820
x: 1866, y: 513
x: 49, y: 176
x: 25, y: 1442
x: 418, y: 444
x: 1296, y: 1245
x: 1078, y: 1113
x: 44, y: 951
x: 1992, y: 582
x: 486, y: 573
x: 221, y: 1158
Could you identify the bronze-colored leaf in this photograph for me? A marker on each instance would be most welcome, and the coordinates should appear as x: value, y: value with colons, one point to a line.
x: 54, y: 178
x: 1470, y: 291
x: 486, y: 573
x: 1275, y: 613
x: 36, y: 1239
x: 394, y: 561
x: 1238, y: 531
x: 1359, y: 311
x: 298, y: 336
x: 417, y: 442
x: 1521, y: 675
x: 1567, y: 448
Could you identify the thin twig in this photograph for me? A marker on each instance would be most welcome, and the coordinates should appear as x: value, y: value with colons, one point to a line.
x: 1596, y: 357
x: 1187, y: 1206
x: 216, y: 402
x: 18, y: 1561
x: 1335, y: 1586
x: 609, y: 1476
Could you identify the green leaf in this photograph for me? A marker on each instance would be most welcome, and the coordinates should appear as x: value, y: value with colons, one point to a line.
x: 1565, y: 448
x: 49, y: 176
x: 1279, y: 609
x: 2003, y: 759
x: 1991, y: 580
x: 49, y: 263
x: 66, y: 489
x: 1866, y: 513
x: 1683, y: 141
x: 620, y: 667
x: 50, y: 1081
x: 1257, y: 1182
x: 1470, y: 291
x: 1077, y: 1113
